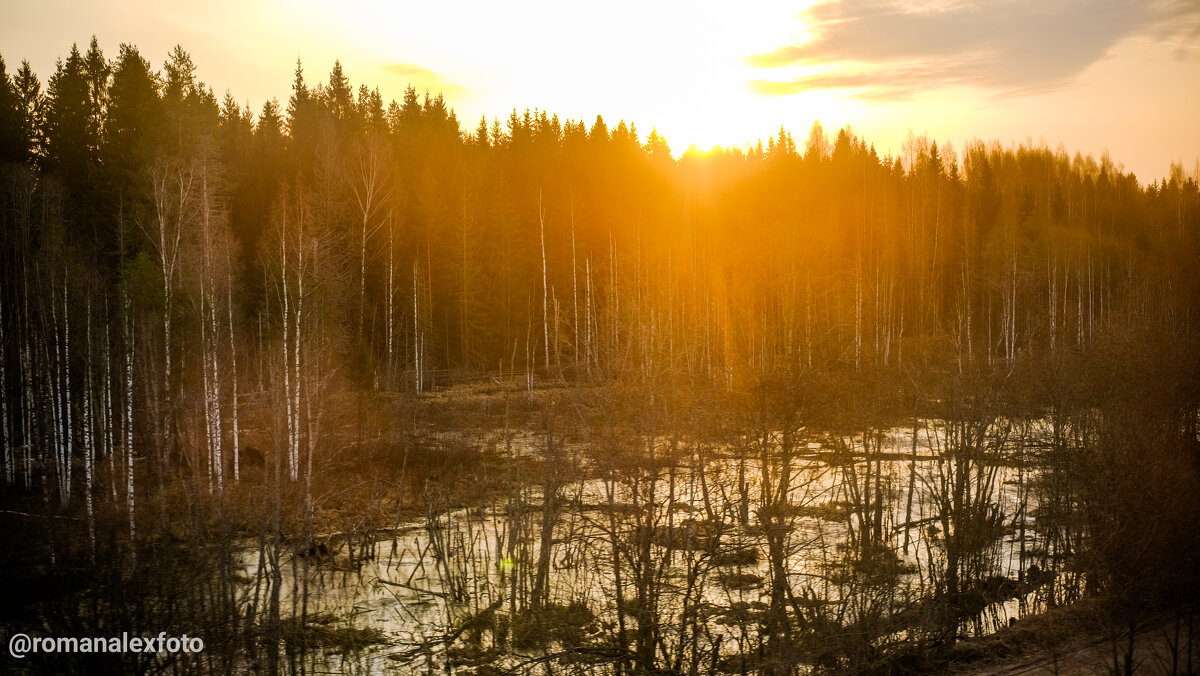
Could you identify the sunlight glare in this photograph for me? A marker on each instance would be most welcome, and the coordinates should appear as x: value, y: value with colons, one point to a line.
x: 682, y: 72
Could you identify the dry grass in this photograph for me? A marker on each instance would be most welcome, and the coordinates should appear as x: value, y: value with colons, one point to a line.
x: 1079, y: 639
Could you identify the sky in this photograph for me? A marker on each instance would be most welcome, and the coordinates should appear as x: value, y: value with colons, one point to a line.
x: 1121, y: 76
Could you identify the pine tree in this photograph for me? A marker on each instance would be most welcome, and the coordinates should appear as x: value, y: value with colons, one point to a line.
x: 13, y: 145
x: 71, y: 138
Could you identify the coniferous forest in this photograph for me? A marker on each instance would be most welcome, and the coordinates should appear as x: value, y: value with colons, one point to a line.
x: 340, y: 386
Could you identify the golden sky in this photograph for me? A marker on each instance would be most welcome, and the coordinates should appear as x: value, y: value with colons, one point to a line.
x: 1093, y: 75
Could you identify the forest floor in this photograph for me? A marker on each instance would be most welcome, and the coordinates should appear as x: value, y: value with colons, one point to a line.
x: 1080, y: 640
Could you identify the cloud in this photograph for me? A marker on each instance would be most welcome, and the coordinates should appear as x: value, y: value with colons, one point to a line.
x: 892, y: 50
x: 424, y: 79
x: 410, y: 70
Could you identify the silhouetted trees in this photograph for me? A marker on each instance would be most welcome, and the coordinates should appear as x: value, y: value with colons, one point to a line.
x: 180, y: 275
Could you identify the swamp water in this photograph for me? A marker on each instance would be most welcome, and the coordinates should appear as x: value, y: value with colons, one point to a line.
x: 471, y: 590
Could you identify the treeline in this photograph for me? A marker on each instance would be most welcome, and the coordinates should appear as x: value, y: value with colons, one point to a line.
x: 172, y: 260
x: 166, y: 253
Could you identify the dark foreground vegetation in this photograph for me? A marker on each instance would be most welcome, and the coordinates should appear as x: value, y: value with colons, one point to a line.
x: 769, y: 411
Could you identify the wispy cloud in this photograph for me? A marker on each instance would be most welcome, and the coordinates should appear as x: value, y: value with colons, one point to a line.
x: 424, y: 79
x: 888, y: 49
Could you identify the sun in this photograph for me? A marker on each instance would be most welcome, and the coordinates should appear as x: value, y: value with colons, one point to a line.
x: 684, y: 73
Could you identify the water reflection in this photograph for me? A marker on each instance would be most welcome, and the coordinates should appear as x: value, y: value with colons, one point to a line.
x: 857, y: 531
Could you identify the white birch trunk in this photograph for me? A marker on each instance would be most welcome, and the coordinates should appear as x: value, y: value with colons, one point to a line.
x: 587, y: 312
x: 168, y: 215
x: 234, y: 379
x: 27, y: 413
x: 205, y: 378
x: 68, y: 427
x: 109, y: 423
x: 366, y: 187
x: 297, y: 323
x: 858, y: 312
x: 88, y: 440
x: 545, y: 291
x: 9, y: 474
x: 574, y: 285
x: 390, y: 329
x: 215, y: 375
x: 417, y: 366
x: 289, y: 413
x: 129, y: 489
